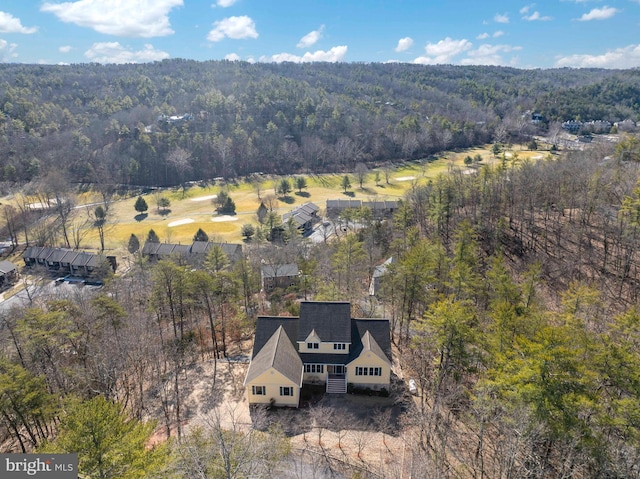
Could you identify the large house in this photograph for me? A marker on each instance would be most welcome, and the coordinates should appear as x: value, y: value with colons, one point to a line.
x: 325, y: 345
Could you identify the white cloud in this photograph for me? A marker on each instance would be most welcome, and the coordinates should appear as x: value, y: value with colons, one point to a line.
x: 525, y: 9
x: 501, y: 18
x: 113, y: 52
x: 65, y: 49
x: 233, y: 27
x: 625, y: 57
x: 143, y: 18
x: 599, y: 14
x: 443, y: 51
x: 535, y: 16
x: 336, y: 54
x: 232, y: 57
x: 485, y: 35
x: 11, y: 24
x: 7, y: 50
x: 224, y: 3
x: 487, y: 54
x: 404, y: 44
x: 311, y: 38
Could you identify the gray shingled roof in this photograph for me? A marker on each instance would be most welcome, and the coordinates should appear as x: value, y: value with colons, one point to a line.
x: 68, y: 257
x: 7, y: 267
x: 370, y: 344
x: 82, y: 259
x: 363, y: 334
x: 150, y: 248
x: 326, y: 358
x: 57, y: 255
x: 302, y: 214
x: 278, y: 353
x: 279, y: 270
x: 381, y: 204
x: 340, y: 203
x: 330, y: 320
x: 379, y: 332
x: 232, y: 250
x: 381, y: 270
x: 267, y: 325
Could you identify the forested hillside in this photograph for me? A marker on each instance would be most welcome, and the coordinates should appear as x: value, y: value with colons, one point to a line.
x: 178, y: 120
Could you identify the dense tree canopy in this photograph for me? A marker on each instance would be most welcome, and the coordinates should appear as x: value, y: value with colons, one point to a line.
x: 173, y: 121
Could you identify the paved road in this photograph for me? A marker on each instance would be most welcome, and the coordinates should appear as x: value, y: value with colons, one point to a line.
x: 322, y: 232
x: 48, y: 289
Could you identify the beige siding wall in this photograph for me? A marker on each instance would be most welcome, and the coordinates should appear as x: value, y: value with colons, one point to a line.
x: 324, y: 348
x: 272, y: 380
x: 369, y: 360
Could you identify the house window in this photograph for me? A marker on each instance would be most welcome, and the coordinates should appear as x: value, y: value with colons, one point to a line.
x: 368, y: 371
x: 313, y: 345
x: 314, y: 368
x: 375, y: 371
x: 339, y: 346
x: 259, y: 390
x: 286, y: 391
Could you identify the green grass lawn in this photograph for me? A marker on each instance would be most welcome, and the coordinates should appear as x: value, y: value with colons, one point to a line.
x: 193, y: 210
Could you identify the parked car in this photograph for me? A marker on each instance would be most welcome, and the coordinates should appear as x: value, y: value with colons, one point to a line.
x: 413, y: 389
x: 73, y: 279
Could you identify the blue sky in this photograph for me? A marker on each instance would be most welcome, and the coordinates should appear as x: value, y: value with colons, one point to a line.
x: 544, y: 34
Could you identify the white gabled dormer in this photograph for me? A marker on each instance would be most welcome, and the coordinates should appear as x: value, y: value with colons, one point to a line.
x: 311, y: 343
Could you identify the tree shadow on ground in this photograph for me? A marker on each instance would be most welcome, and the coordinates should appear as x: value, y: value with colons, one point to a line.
x: 304, y: 194
x: 349, y: 193
x: 287, y: 199
x: 140, y: 217
x: 164, y: 212
x: 369, y: 191
x: 380, y: 186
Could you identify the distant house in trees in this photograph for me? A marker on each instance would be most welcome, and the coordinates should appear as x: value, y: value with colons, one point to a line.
x: 66, y: 261
x: 279, y: 276
x: 194, y: 253
x: 8, y: 273
x: 378, y: 274
x: 304, y: 217
x: 170, y: 120
x: 325, y: 345
x: 572, y: 126
x: 380, y: 208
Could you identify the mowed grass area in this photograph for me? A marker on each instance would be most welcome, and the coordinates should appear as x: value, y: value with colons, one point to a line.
x: 194, y: 209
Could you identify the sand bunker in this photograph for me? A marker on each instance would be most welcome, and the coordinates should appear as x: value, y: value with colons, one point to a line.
x: 220, y: 219
x: 405, y: 178
x: 204, y: 198
x: 185, y: 221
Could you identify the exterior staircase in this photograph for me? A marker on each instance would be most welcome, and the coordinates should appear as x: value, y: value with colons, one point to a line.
x: 336, y: 384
